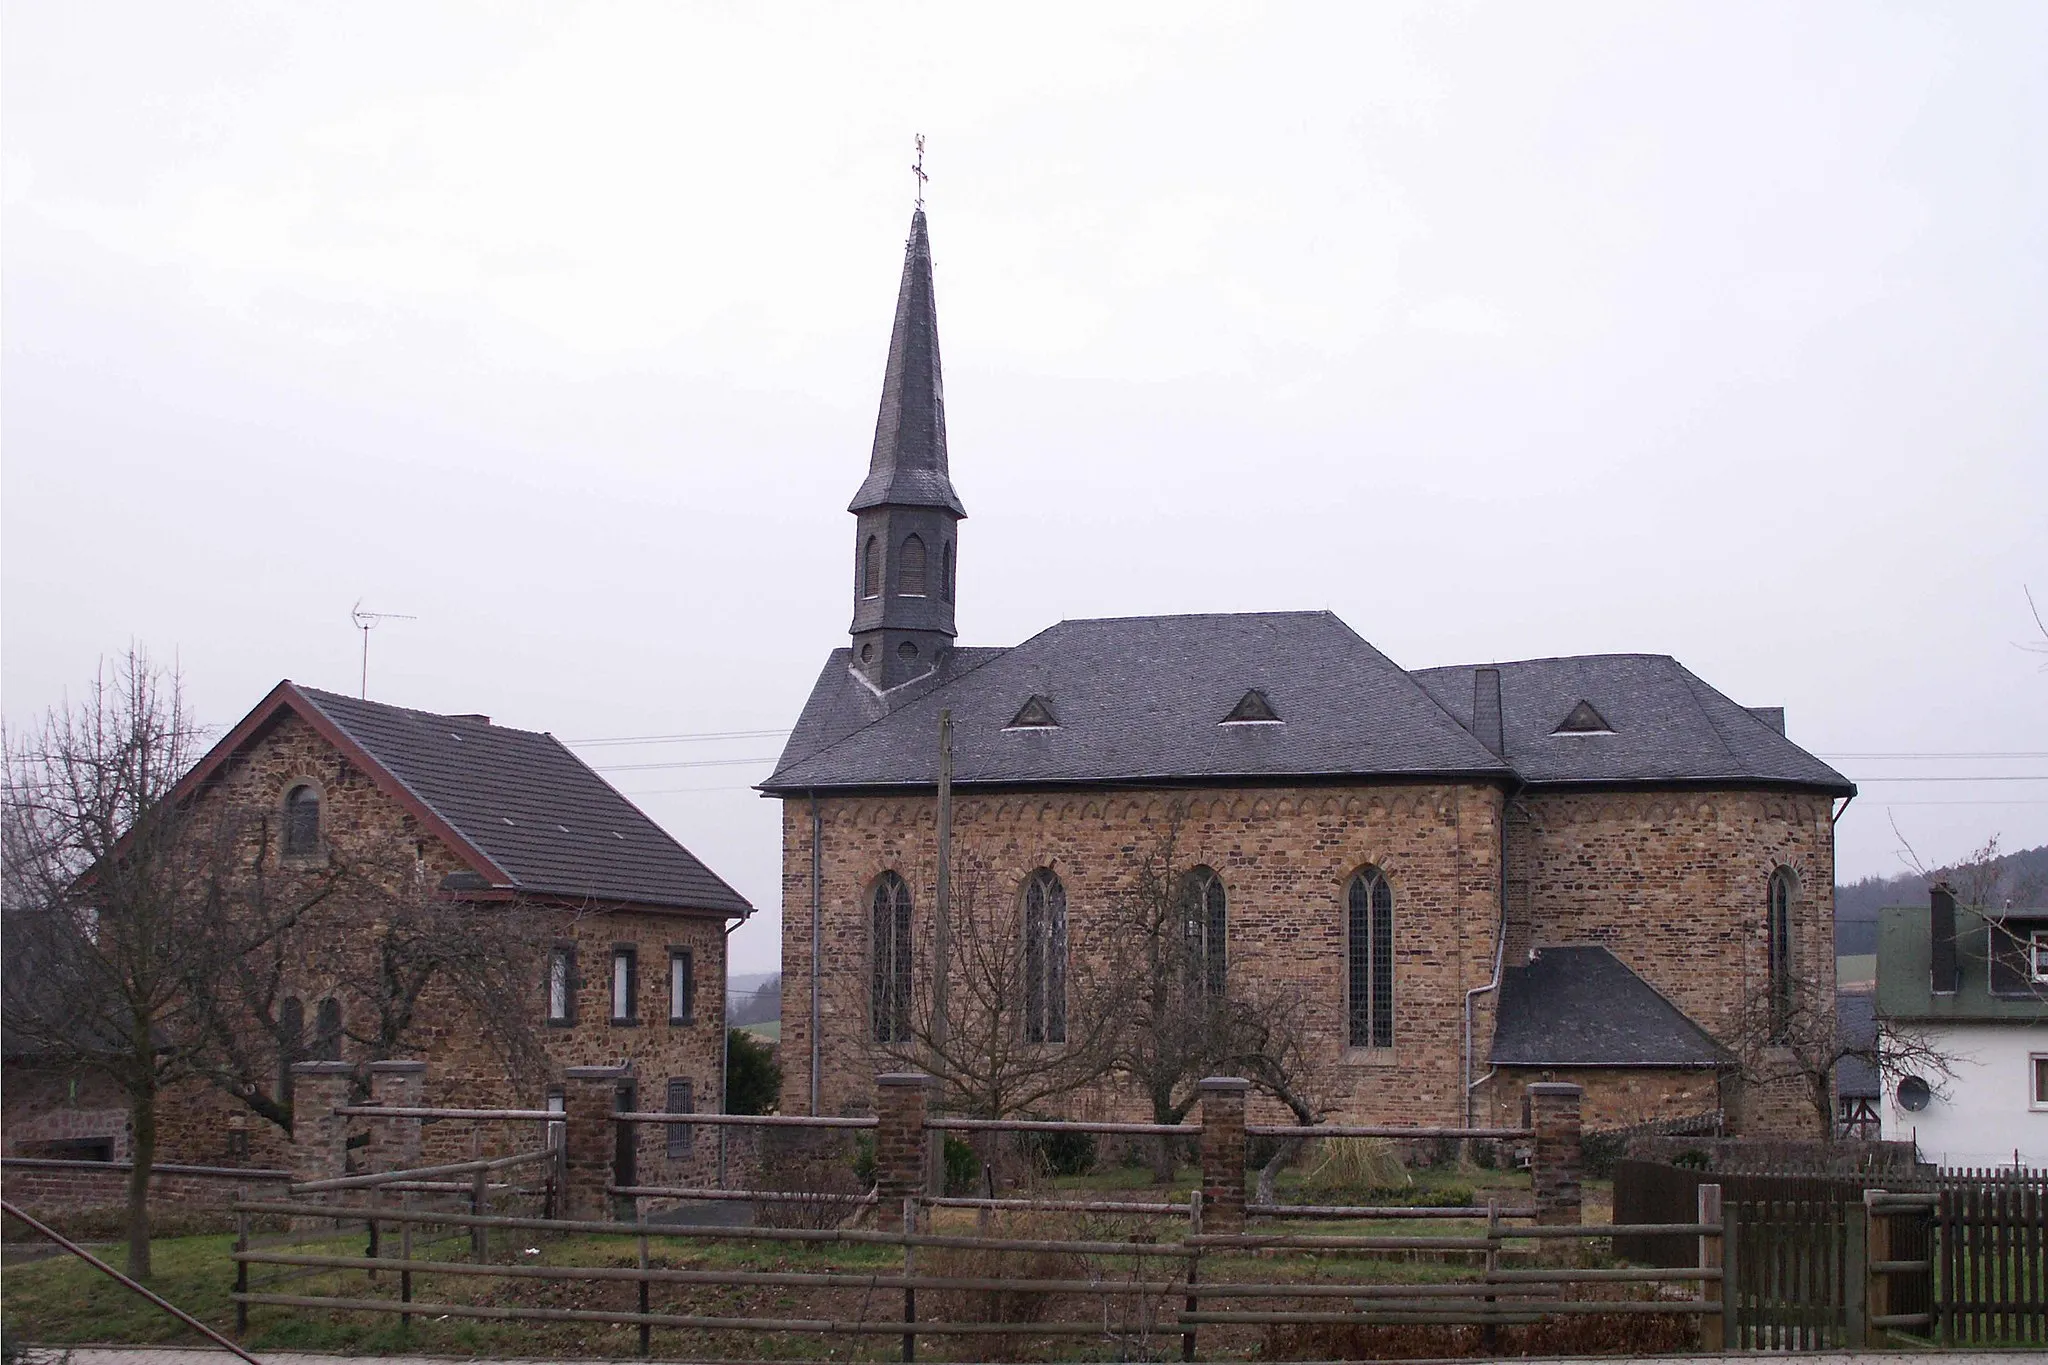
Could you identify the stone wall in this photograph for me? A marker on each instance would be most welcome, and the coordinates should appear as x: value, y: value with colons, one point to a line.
x: 1675, y: 884
x: 90, y: 1197
x: 1285, y: 856
x: 1614, y: 1097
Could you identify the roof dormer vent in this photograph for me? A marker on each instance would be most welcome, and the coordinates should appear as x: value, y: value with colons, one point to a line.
x: 1253, y: 709
x: 1583, y: 720
x: 1035, y: 714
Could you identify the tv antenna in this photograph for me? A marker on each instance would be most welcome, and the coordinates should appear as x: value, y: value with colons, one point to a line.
x: 367, y: 621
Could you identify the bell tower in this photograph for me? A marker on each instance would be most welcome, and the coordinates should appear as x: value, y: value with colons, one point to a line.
x: 906, y: 513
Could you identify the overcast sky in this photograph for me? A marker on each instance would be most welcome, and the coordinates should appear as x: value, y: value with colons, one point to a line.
x: 1503, y: 331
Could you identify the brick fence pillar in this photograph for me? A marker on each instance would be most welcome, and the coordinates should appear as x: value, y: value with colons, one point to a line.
x: 900, y: 1098
x: 319, y: 1135
x: 1557, y: 1165
x: 590, y: 1142
x: 395, y: 1143
x: 1223, y: 1100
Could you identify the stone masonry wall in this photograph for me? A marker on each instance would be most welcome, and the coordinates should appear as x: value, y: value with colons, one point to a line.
x: 1614, y: 1097
x: 1675, y: 885
x: 1285, y: 856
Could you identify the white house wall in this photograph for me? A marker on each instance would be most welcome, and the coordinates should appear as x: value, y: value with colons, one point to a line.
x: 1983, y: 1115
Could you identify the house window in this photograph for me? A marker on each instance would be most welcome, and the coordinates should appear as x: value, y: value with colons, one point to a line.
x: 301, y: 821
x: 1778, y: 930
x: 682, y: 986
x: 889, y: 959
x: 561, y: 984
x: 625, y: 986
x: 291, y: 1042
x: 1205, y: 925
x: 2038, y: 1064
x: 1369, y: 953
x: 2037, y: 954
x: 910, y: 572
x: 327, y: 1031
x: 682, y: 1137
x: 946, y: 572
x: 871, y: 568
x: 1045, y: 958
x: 558, y: 1129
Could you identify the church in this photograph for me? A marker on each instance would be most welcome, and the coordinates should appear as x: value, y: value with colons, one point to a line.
x: 1587, y: 868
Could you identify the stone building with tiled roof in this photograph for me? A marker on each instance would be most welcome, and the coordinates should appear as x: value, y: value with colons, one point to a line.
x: 1585, y: 865
x: 632, y: 956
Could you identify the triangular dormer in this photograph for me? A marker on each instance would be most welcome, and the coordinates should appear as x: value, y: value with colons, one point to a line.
x: 1583, y: 720
x: 1253, y: 709
x: 1035, y: 714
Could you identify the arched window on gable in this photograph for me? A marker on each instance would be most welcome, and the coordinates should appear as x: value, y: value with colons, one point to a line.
x: 889, y: 961
x: 1369, y: 954
x: 946, y: 572
x: 1778, y: 937
x: 910, y: 570
x: 1204, y: 916
x: 871, y: 568
x: 301, y: 821
x: 1045, y: 958
x: 327, y: 1032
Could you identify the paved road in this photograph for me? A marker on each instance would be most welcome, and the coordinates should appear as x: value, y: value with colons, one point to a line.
x: 174, y: 1355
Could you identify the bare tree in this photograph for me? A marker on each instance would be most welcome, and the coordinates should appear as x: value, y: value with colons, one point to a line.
x: 996, y: 1055
x: 1795, y: 1039
x: 114, y: 892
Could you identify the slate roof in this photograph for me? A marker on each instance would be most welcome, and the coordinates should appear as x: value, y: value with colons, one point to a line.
x: 1668, y: 725
x: 535, y: 809
x: 1138, y: 699
x: 1582, y: 1006
x: 1856, y: 1026
x: 525, y: 812
x: 908, y: 464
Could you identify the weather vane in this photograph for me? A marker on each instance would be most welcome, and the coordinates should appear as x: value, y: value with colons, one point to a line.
x: 918, y: 171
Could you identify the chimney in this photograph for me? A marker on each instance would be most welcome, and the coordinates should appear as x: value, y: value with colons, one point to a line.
x: 1486, y: 722
x: 1941, y: 933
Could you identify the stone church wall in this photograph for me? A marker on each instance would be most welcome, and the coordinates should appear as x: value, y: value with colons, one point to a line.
x: 1675, y: 885
x: 1285, y: 856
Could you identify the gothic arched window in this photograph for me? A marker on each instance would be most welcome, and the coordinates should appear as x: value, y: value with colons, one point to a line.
x: 871, y: 568
x: 946, y: 572
x: 1204, y: 917
x: 1045, y: 958
x: 1778, y: 935
x: 301, y: 820
x: 910, y: 569
x: 1369, y: 953
x: 889, y: 962
x: 291, y: 1042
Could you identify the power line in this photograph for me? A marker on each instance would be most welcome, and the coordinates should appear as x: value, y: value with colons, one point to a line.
x: 681, y: 763
x: 1980, y: 753
x: 2001, y: 777
x: 697, y: 737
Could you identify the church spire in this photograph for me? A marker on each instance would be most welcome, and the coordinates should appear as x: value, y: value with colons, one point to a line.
x: 906, y: 509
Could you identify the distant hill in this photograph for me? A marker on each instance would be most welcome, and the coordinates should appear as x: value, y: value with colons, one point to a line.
x: 2024, y: 875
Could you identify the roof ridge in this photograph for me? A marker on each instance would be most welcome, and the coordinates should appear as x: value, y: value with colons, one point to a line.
x: 994, y: 652
x: 470, y: 718
x: 1693, y: 683
x: 1550, y: 659
x: 1189, y: 616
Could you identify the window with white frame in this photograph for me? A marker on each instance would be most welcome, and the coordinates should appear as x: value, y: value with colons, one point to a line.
x: 625, y: 964
x: 2038, y: 1066
x: 682, y: 986
x: 2037, y: 954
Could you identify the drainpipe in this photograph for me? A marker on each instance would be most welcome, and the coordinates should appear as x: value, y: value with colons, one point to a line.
x: 725, y: 1038
x: 1500, y: 948
x: 817, y: 870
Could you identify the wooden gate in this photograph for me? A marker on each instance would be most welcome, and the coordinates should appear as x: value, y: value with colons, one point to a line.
x: 1993, y: 1230
x: 1798, y: 1274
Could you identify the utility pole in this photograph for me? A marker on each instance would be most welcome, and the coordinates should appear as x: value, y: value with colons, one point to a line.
x: 942, y: 928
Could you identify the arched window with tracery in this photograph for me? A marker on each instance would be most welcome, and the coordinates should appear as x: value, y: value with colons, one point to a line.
x: 1205, y: 924
x: 946, y: 572
x: 1369, y: 954
x: 871, y: 568
x: 889, y: 962
x: 1778, y: 937
x: 910, y: 569
x: 291, y: 1042
x: 1045, y: 958
x: 301, y: 820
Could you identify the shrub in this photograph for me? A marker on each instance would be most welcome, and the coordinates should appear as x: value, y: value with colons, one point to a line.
x: 753, y: 1081
x: 1061, y: 1153
x: 800, y: 1162
x: 963, y: 1167
x: 1005, y: 1305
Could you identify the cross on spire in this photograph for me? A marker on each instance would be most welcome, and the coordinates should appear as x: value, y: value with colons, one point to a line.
x: 918, y: 171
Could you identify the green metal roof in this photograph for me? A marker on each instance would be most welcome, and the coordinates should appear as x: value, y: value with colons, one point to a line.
x: 1903, y: 970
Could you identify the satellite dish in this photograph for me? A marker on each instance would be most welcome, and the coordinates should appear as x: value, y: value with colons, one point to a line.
x: 1914, y: 1094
